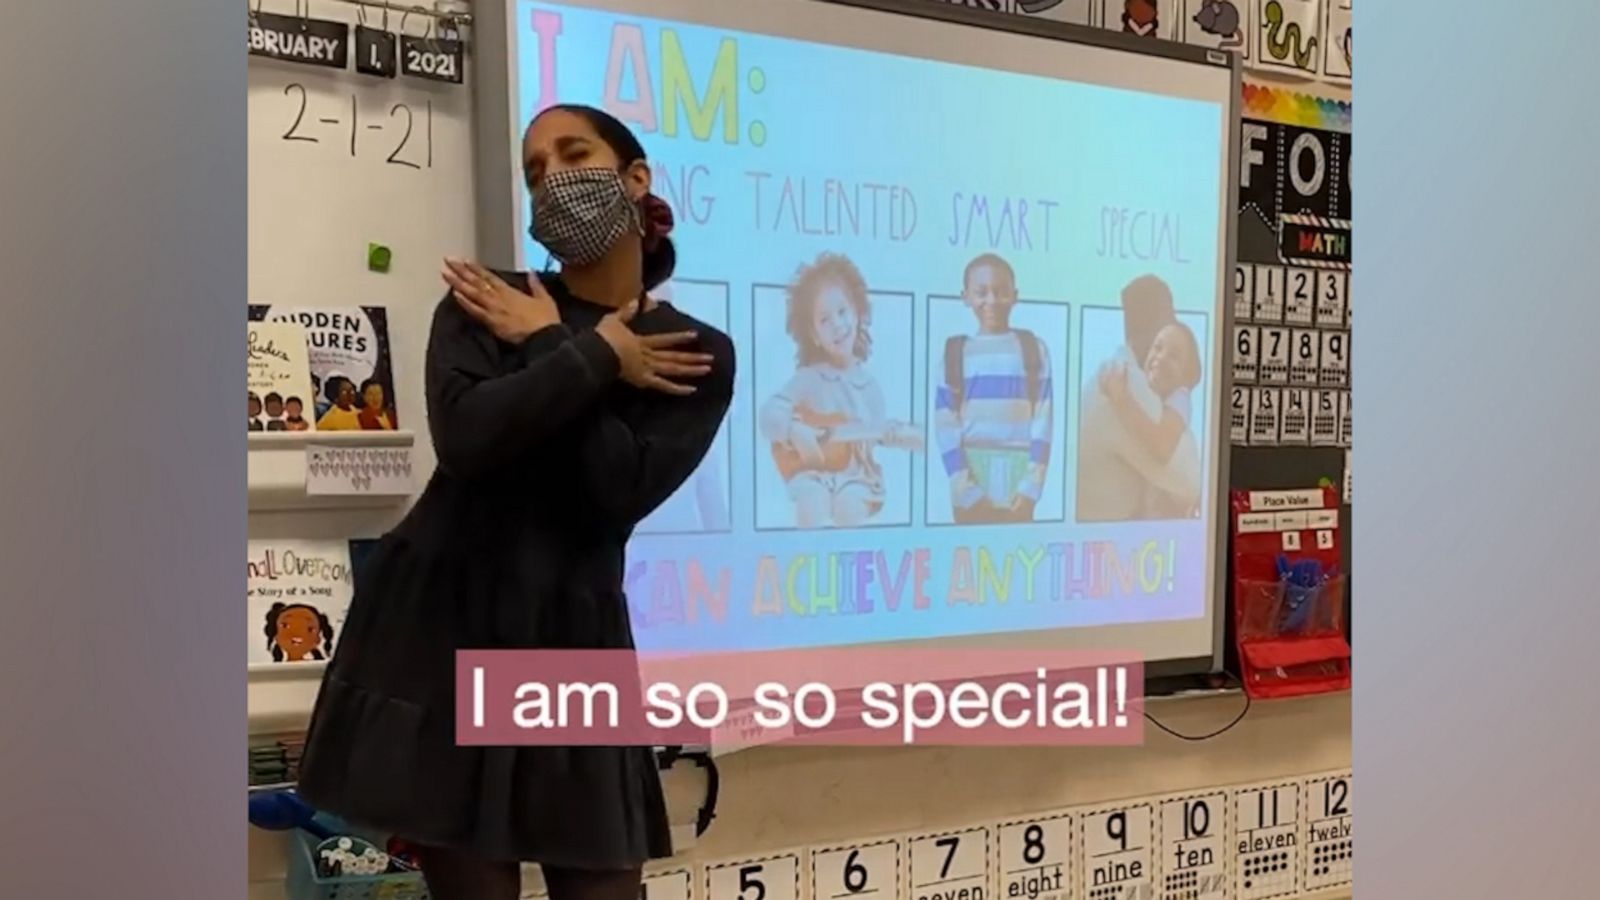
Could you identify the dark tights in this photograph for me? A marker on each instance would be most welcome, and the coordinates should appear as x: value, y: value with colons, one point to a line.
x: 455, y: 875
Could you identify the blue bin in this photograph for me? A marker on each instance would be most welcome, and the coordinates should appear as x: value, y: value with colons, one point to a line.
x: 303, y: 882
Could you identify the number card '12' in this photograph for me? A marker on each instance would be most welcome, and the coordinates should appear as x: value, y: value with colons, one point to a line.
x: 1328, y: 838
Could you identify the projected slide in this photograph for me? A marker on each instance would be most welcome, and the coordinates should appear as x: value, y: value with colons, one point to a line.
x: 975, y: 313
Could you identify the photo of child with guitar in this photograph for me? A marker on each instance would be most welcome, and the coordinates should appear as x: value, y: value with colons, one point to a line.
x: 827, y: 424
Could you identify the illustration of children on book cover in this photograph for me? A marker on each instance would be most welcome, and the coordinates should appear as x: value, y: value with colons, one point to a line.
x: 350, y: 364
x: 836, y: 422
x: 297, y: 594
x: 278, y: 371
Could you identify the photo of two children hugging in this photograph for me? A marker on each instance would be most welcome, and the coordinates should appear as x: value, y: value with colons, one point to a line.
x: 837, y: 424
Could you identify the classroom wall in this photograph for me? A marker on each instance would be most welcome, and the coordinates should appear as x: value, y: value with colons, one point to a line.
x: 778, y: 797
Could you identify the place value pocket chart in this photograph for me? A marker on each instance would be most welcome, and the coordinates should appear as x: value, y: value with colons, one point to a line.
x: 772, y: 877
x: 1035, y: 858
x: 1191, y: 847
x: 950, y: 865
x: 1266, y: 840
x: 1118, y: 852
x: 1291, y: 331
x: 1329, y: 851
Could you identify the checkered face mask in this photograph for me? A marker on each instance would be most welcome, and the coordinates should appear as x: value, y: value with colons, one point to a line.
x: 578, y: 214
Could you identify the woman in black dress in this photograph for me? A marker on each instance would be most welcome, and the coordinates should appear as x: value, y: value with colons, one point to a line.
x: 564, y: 408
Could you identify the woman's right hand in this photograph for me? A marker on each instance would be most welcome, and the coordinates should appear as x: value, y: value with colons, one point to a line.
x: 647, y: 360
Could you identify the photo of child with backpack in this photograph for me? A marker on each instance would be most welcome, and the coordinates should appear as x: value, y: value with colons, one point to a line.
x: 829, y: 425
x: 993, y: 395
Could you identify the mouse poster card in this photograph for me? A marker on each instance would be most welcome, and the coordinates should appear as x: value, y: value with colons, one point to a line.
x: 1336, y: 65
x: 1219, y: 25
x: 1155, y: 19
x: 1290, y: 34
x: 279, y: 374
x: 350, y: 364
x: 298, y: 593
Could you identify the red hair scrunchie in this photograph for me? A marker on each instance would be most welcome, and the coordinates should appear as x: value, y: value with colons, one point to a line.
x: 657, y: 220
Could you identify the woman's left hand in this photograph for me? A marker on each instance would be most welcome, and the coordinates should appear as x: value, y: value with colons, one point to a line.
x: 510, y: 313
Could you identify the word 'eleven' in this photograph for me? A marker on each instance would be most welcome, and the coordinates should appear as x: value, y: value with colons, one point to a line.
x: 1275, y: 839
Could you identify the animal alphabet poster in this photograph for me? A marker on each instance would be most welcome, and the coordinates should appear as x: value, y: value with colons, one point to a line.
x: 1157, y: 19
x: 1336, y: 65
x: 1077, y: 12
x: 1290, y: 35
x: 298, y: 593
x: 1219, y: 25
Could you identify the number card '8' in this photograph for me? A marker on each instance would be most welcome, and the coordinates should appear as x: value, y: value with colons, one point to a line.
x: 1035, y: 857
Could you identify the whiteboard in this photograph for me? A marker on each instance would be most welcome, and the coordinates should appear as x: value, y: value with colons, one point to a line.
x: 339, y: 159
x: 1096, y: 165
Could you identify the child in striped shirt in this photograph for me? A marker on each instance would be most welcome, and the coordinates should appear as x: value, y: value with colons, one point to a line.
x: 992, y: 413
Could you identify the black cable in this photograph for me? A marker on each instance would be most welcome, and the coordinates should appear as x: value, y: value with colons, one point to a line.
x: 1223, y: 730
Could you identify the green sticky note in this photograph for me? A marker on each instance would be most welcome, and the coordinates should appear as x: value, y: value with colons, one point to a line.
x: 379, y: 257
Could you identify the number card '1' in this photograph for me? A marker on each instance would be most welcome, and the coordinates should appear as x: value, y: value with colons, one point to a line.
x: 1118, y: 844
x: 1035, y: 858
x: 674, y: 884
x: 375, y: 53
x: 951, y: 865
x: 769, y: 878
x: 437, y: 59
x: 1193, y: 857
x: 872, y: 868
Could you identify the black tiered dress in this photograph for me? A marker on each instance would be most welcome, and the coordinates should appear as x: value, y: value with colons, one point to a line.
x: 546, y: 462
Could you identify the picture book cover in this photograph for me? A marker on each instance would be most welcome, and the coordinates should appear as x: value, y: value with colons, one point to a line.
x: 351, y: 368
x: 279, y: 371
x: 298, y: 593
